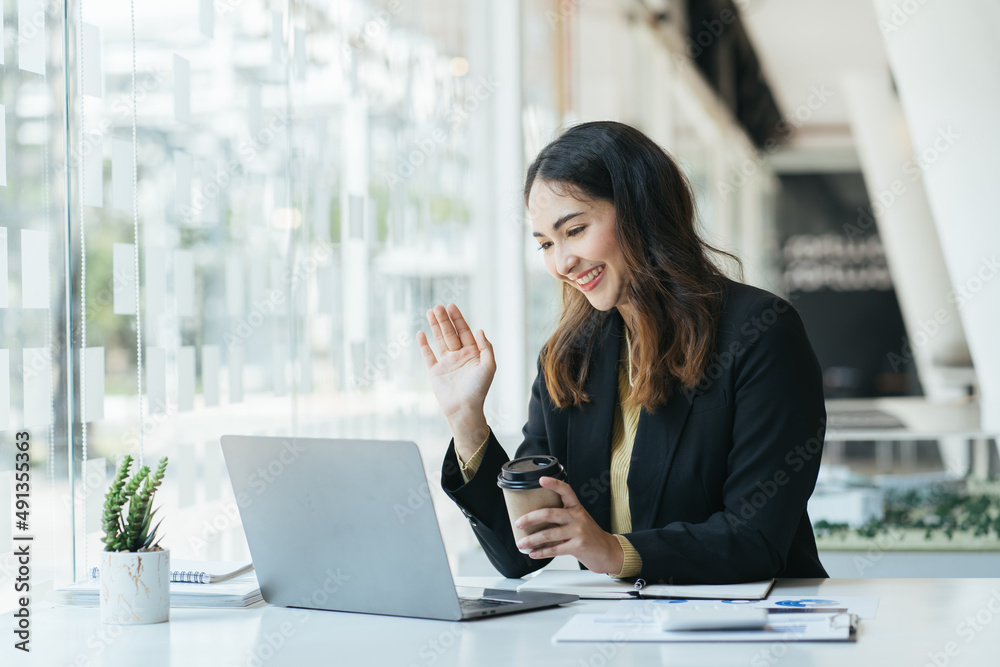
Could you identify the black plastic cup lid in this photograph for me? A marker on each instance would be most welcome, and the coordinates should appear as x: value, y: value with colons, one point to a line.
x: 524, y: 473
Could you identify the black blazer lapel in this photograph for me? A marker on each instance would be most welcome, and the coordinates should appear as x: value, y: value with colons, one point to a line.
x: 656, y: 442
x: 588, y: 448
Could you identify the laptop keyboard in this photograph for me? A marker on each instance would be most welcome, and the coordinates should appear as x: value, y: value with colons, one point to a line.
x: 478, y: 604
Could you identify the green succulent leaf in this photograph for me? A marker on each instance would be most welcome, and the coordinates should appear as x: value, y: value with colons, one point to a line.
x: 128, y: 528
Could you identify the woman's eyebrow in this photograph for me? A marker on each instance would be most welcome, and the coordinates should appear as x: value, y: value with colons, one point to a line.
x: 559, y: 222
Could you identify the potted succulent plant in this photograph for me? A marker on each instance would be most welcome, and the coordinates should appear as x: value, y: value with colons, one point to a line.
x: 134, y: 569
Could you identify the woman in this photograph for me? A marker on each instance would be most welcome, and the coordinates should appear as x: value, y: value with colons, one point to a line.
x: 687, y: 408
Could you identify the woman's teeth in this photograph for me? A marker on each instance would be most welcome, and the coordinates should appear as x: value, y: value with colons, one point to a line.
x: 590, y: 276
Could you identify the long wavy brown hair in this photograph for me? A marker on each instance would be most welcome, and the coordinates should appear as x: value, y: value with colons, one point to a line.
x: 672, y: 284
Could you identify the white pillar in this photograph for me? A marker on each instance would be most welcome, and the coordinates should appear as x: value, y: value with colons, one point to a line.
x: 600, y: 45
x: 355, y: 261
x: 499, y: 303
x: 906, y: 229
x: 510, y: 386
x: 911, y: 244
x: 945, y: 57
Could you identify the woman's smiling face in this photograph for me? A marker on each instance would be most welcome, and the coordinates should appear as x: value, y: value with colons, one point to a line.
x: 577, y: 239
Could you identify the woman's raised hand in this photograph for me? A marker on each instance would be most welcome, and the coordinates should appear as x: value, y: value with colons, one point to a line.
x: 463, y: 370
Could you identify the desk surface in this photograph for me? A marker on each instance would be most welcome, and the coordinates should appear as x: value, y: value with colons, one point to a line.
x: 919, y: 622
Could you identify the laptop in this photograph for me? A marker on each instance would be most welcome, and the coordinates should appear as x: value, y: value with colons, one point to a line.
x: 348, y: 525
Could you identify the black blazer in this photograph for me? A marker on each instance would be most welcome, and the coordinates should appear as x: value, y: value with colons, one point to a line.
x: 719, y: 477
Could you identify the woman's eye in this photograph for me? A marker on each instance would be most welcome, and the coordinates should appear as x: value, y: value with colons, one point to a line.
x: 575, y: 231
x: 544, y: 246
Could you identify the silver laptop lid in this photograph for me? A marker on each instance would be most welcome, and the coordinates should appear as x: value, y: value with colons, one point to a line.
x: 344, y: 525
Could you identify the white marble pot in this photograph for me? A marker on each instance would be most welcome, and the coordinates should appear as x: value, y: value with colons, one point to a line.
x: 135, y: 587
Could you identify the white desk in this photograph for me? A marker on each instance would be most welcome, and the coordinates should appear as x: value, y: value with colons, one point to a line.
x: 916, y: 617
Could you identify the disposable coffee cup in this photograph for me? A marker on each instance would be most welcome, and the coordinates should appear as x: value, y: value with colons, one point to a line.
x: 522, y: 492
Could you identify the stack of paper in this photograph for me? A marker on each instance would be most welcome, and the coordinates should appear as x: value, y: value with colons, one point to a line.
x: 241, y: 591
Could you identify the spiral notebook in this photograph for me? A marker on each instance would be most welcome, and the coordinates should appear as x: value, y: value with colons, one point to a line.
x: 200, y: 571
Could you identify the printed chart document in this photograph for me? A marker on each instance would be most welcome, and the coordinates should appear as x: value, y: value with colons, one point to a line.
x: 789, y: 618
x: 862, y: 606
x: 592, y: 585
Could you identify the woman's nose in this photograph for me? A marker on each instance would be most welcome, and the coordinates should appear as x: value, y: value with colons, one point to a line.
x: 565, y: 261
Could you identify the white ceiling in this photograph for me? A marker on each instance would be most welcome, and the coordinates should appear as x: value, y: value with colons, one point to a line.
x: 804, y: 46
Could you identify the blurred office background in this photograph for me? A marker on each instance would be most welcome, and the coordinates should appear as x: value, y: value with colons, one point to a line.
x: 296, y: 183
